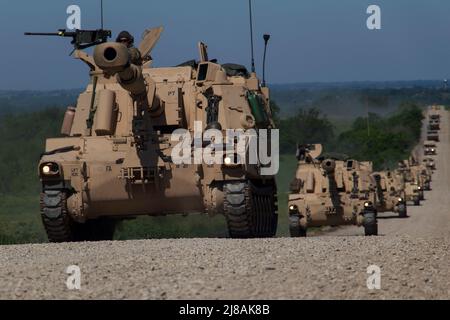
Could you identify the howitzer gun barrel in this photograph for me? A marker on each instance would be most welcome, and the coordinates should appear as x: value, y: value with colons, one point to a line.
x: 329, y: 166
x: 114, y: 59
x: 379, y: 189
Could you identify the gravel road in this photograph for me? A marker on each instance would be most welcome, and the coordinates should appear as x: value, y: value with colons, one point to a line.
x: 322, y: 267
x: 413, y: 255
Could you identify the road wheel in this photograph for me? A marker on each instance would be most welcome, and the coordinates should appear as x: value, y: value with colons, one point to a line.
x: 297, y: 227
x: 250, y: 210
x: 370, y: 222
x: 416, y: 200
x: 57, y: 222
x: 402, y: 210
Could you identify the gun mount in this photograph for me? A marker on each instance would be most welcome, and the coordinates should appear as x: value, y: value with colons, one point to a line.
x: 81, y: 39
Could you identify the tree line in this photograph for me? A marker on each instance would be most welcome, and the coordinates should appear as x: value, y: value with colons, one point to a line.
x: 382, y: 140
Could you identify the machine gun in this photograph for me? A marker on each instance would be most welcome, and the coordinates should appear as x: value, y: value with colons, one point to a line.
x: 81, y: 39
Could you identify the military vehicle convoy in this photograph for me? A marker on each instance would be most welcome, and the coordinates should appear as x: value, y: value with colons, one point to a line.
x: 330, y: 191
x: 430, y: 163
x: 429, y: 148
x: 434, y: 120
x: 390, y: 194
x: 421, y: 175
x: 327, y: 190
x: 434, y: 108
x: 114, y: 161
x: 434, y: 125
x: 412, y: 188
x: 434, y: 115
x: 433, y: 135
x: 420, y: 178
x: 425, y: 177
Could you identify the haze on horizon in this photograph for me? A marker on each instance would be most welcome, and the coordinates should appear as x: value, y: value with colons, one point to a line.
x: 312, y: 40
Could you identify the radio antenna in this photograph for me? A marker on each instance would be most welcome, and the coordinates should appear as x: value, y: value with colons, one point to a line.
x: 101, y: 12
x: 251, y: 34
x: 266, y: 41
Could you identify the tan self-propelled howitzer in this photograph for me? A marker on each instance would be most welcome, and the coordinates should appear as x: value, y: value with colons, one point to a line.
x: 429, y: 148
x: 421, y: 175
x: 390, y: 193
x: 331, y: 192
x: 115, y: 161
x: 413, y: 191
x: 430, y: 164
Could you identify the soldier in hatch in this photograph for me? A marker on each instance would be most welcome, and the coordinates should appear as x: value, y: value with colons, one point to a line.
x: 128, y: 40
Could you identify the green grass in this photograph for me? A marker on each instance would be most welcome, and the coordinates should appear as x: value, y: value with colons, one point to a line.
x: 288, y: 166
x: 174, y: 226
x: 20, y: 221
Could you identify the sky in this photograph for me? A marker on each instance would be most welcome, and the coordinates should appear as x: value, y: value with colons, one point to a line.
x: 312, y: 40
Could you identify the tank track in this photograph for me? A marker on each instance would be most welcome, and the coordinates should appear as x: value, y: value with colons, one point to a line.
x: 370, y: 223
x: 296, y: 228
x: 403, y: 210
x: 55, y: 218
x: 250, y: 211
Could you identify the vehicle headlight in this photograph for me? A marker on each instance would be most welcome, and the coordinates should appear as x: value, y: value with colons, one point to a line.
x: 367, y: 204
x: 232, y: 160
x: 400, y: 199
x: 432, y: 150
x: 293, y: 209
x: 49, y: 169
x: 227, y: 161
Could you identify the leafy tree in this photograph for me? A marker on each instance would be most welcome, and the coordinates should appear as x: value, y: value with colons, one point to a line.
x: 307, y: 126
x: 275, y: 112
x: 391, y: 139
